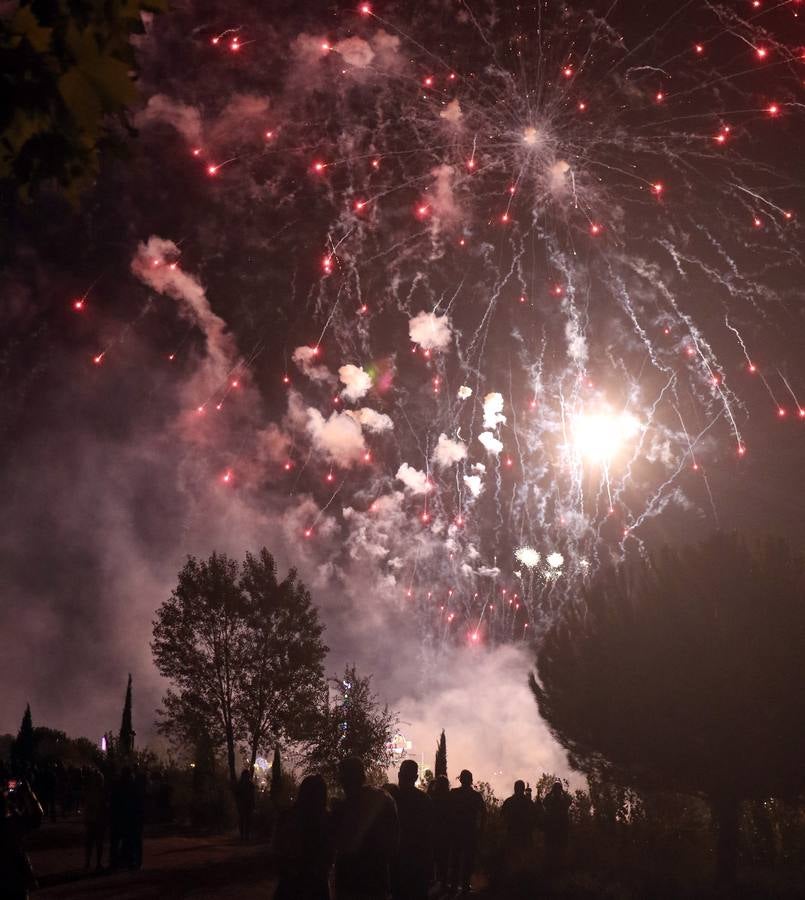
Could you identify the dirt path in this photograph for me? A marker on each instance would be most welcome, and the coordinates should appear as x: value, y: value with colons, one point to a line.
x: 175, y: 866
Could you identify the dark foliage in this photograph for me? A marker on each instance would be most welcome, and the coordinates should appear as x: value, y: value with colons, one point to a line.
x: 684, y: 673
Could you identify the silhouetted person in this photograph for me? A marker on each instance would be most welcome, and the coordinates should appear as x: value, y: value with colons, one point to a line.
x: 556, y: 824
x: 244, y: 800
x: 414, y: 863
x: 519, y: 822
x: 137, y: 820
x: 20, y: 813
x: 439, y: 794
x: 366, y: 834
x: 126, y: 815
x: 467, y: 812
x: 302, y: 845
x: 518, y: 816
x: 95, y: 816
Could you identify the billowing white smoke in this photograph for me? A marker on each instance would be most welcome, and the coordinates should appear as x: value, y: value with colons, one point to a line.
x: 185, y: 119
x: 472, y: 688
x: 430, y: 331
x: 492, y: 444
x: 371, y: 419
x: 447, y: 451
x: 414, y: 480
x: 339, y: 438
x: 357, y: 383
x: 475, y: 484
x: 452, y: 112
x: 155, y: 264
x: 493, y: 411
x: 307, y: 358
x: 464, y: 392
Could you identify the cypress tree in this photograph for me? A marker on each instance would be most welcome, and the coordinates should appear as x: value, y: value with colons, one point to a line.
x: 22, y: 751
x: 276, y: 775
x: 126, y: 741
x: 440, y: 768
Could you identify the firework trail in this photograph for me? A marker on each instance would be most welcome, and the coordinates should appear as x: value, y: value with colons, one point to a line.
x: 518, y: 247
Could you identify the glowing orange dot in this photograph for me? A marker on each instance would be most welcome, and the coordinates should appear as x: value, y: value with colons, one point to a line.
x: 308, y: 532
x: 215, y: 40
x: 98, y: 359
x: 773, y: 109
x: 582, y: 106
x: 801, y: 412
x: 212, y: 170
x: 699, y: 48
x: 470, y: 163
x: 318, y: 166
x: 788, y: 214
x: 504, y: 218
x: 757, y: 222
x: 366, y: 9
x: 235, y: 45
x: 567, y: 72
x: 695, y: 467
x: 235, y: 383
x: 781, y: 412
x: 659, y: 96
x: 752, y: 367
x: 171, y: 357
x: 595, y: 229
x: 325, y: 46
x: 227, y: 477
x: 428, y: 82
x: 658, y: 188
x: 78, y: 305
x: 359, y: 204
x: 196, y: 151
x: 286, y: 379
x: 288, y: 466
x: 741, y: 450
x: 761, y: 52
x: 721, y: 138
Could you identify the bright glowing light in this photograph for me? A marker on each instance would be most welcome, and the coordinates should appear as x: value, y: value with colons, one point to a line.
x: 598, y: 437
x: 78, y: 305
x: 212, y: 170
x: 555, y: 560
x: 528, y: 556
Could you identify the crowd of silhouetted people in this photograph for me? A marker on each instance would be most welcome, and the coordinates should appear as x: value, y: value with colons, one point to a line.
x: 365, y: 844
x: 112, y: 809
x: 404, y: 841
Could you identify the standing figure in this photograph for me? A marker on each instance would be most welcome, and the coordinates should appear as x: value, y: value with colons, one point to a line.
x: 20, y: 813
x: 302, y: 845
x: 244, y: 800
x: 442, y: 827
x: 414, y: 863
x: 366, y: 834
x: 556, y: 822
x: 467, y: 812
x: 95, y: 816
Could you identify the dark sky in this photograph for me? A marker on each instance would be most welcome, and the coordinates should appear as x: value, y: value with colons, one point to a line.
x: 488, y: 215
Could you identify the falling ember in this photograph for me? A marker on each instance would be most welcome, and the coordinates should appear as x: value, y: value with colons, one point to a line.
x: 227, y: 477
x: 197, y: 151
x: 212, y: 170
x: 98, y: 359
x: 773, y: 109
x: 659, y: 96
x: 308, y: 532
x: 595, y: 229
x: 78, y: 305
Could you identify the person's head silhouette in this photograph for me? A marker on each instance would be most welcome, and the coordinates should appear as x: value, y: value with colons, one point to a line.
x: 351, y: 775
x: 557, y: 790
x: 465, y: 778
x: 312, y: 796
x: 408, y: 773
x: 519, y: 788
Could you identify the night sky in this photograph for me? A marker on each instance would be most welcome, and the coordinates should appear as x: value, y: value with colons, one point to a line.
x: 444, y: 303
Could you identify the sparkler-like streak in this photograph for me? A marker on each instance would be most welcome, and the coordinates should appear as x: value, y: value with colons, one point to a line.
x: 561, y: 208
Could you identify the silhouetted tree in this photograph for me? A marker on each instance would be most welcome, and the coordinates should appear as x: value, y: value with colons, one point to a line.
x: 440, y: 766
x: 282, y: 680
x: 126, y: 739
x: 243, y: 652
x: 200, y: 645
x: 68, y: 67
x: 22, y: 751
x: 684, y: 672
x: 276, y: 776
x: 351, y: 723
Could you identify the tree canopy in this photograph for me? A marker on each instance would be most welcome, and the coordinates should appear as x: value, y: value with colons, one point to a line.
x: 351, y: 722
x: 243, y: 652
x: 66, y: 67
x: 684, y: 672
